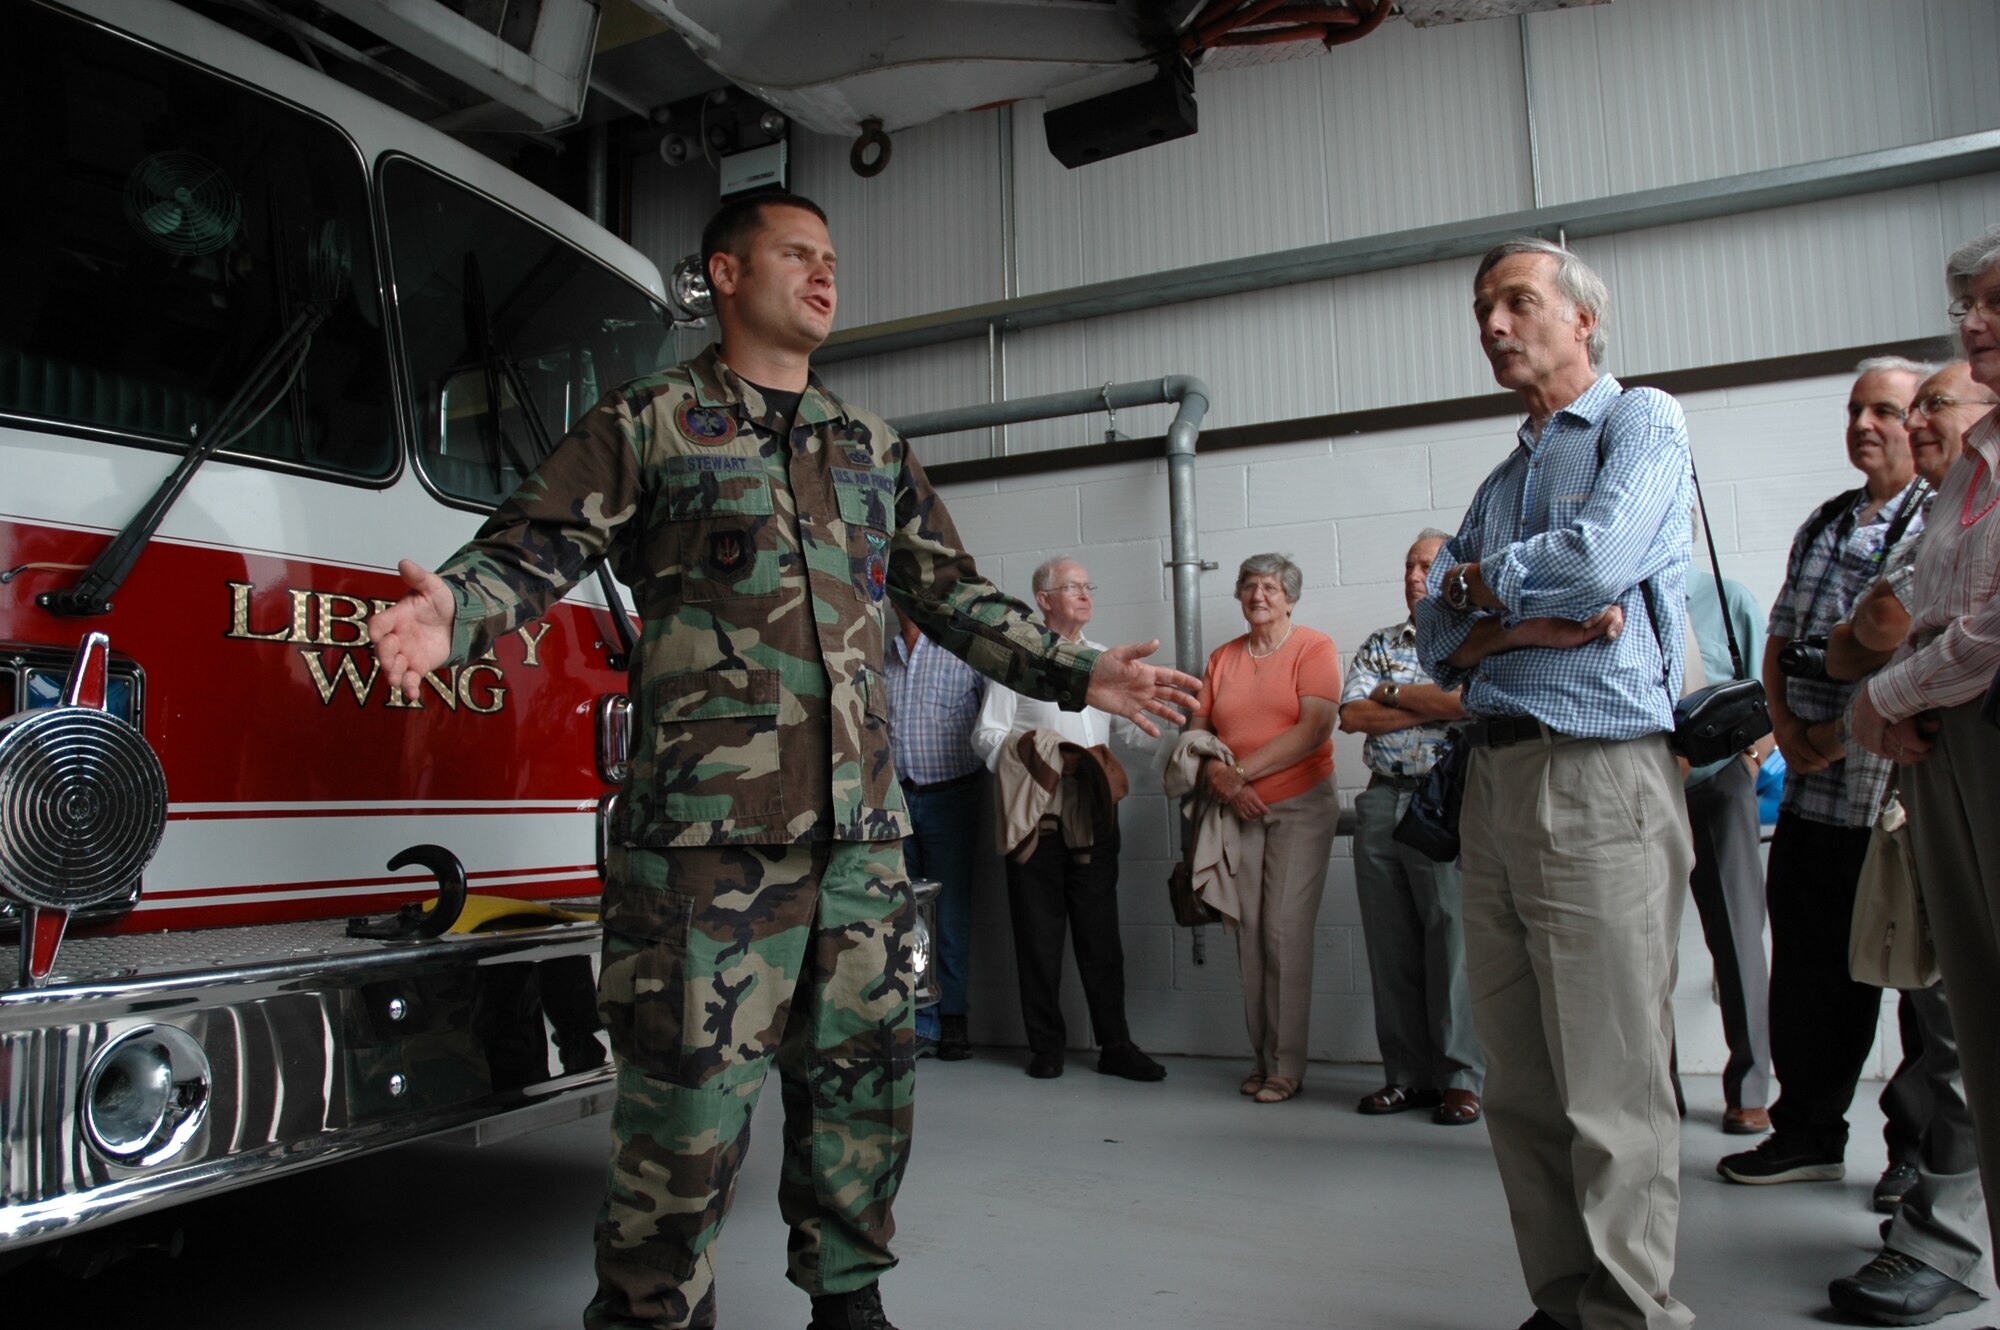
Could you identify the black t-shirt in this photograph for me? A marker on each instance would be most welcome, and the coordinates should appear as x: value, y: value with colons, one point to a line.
x: 780, y: 409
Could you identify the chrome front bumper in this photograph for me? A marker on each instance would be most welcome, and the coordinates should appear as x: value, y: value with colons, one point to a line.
x: 316, y: 1046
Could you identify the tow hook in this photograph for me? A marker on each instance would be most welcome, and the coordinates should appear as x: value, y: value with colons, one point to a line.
x: 414, y: 921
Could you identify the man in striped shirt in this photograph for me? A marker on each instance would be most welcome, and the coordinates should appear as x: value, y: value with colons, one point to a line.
x: 933, y: 700
x: 1558, y: 609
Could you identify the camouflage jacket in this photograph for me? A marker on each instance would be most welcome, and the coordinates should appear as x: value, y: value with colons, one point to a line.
x: 759, y: 565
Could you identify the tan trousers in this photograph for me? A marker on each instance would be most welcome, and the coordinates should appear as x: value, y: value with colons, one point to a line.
x: 1284, y: 875
x: 1953, y: 796
x: 1577, y: 855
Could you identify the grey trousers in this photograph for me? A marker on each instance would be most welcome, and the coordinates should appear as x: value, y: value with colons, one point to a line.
x: 1728, y: 888
x: 1576, y: 855
x: 1952, y: 797
x: 1412, y: 922
x: 1942, y: 1221
x: 1283, y: 877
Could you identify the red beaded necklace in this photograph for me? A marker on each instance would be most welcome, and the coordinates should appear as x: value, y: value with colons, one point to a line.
x: 1966, y: 517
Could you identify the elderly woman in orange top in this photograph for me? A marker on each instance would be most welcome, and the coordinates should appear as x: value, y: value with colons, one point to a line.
x: 1270, y: 696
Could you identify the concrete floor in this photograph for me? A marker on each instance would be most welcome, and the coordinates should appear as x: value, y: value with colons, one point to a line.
x: 1083, y: 1202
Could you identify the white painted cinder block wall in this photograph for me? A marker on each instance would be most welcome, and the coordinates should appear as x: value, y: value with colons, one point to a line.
x: 1345, y: 511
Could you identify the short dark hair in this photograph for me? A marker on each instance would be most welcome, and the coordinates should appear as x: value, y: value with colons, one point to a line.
x: 730, y: 230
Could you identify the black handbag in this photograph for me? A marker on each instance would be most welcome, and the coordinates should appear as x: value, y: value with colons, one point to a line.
x: 1430, y: 824
x: 1190, y: 910
x: 1724, y: 718
x: 1720, y: 720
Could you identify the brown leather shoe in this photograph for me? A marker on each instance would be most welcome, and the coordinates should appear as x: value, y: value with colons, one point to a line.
x: 1459, y: 1109
x: 1746, y: 1121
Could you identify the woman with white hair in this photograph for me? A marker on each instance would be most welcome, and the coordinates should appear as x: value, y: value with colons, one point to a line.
x: 1270, y: 697
x: 1922, y: 711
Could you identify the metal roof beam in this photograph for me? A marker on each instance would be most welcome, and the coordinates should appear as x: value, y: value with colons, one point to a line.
x: 1756, y: 191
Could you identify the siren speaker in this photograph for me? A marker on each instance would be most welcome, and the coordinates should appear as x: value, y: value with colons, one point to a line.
x: 1160, y: 109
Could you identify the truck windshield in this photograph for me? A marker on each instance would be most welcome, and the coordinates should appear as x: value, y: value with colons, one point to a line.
x: 479, y: 286
x: 163, y: 226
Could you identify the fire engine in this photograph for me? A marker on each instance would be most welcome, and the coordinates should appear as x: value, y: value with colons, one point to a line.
x: 262, y: 337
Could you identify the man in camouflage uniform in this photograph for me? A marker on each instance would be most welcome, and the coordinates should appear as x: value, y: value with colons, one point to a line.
x: 755, y: 907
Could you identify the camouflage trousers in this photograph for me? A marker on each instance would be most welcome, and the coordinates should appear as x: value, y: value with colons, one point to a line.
x: 716, y: 963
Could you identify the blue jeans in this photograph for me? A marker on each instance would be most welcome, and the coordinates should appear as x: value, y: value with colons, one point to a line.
x: 947, y: 825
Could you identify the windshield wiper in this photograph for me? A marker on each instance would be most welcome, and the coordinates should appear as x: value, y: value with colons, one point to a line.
x: 98, y: 583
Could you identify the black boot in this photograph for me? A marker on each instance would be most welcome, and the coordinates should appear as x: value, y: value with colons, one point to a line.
x: 954, y: 1044
x: 859, y: 1310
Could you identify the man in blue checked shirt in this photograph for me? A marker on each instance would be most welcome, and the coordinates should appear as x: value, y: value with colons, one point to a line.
x: 933, y: 700
x: 1558, y: 609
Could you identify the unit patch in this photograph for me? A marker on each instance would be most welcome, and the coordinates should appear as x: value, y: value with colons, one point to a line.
x: 728, y: 551
x: 704, y: 424
x: 860, y: 457
x: 876, y: 566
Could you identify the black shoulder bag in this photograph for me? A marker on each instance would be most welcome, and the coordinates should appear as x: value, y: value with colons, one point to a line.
x: 1430, y: 824
x: 1724, y: 718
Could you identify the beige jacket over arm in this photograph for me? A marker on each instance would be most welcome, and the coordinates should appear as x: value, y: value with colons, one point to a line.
x: 1216, y: 853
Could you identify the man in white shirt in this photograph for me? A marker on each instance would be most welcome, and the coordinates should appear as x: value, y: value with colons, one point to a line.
x: 1059, y: 888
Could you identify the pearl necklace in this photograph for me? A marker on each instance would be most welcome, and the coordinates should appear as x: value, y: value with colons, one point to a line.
x: 1253, y: 652
x: 1966, y: 517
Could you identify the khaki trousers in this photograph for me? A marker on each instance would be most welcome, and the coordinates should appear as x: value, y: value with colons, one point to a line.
x: 1284, y: 875
x: 1952, y: 797
x: 1577, y: 855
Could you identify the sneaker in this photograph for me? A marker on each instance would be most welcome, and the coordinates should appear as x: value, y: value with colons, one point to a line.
x: 1899, y: 1290
x: 859, y: 1310
x: 1776, y: 1160
x: 955, y: 1044
x: 1894, y: 1185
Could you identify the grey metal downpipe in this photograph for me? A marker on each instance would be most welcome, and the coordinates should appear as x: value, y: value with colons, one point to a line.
x: 1192, y: 395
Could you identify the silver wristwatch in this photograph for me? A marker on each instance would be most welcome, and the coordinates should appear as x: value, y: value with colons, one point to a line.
x: 1458, y: 590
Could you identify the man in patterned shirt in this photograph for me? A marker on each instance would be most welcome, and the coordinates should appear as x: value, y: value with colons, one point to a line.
x: 933, y: 700
x: 1822, y: 1022
x: 1575, y: 838
x: 1411, y: 906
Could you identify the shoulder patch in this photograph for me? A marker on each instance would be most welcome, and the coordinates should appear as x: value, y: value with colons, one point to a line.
x: 704, y: 424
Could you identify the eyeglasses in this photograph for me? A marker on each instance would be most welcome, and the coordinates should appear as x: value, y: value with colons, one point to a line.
x: 1073, y: 588
x: 1932, y: 403
x: 1988, y: 306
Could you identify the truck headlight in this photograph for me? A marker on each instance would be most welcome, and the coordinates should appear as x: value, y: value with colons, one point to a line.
x: 145, y: 1095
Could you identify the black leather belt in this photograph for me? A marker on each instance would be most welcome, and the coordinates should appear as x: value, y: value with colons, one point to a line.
x: 1500, y: 731
x: 914, y: 788
x: 1395, y: 782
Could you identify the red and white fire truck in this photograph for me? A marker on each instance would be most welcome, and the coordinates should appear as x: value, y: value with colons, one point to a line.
x: 262, y: 336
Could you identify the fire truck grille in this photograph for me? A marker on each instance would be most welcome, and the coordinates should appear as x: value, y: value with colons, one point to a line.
x: 83, y: 802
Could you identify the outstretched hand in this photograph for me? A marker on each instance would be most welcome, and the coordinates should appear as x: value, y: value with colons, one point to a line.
x: 413, y: 636
x: 1122, y: 684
